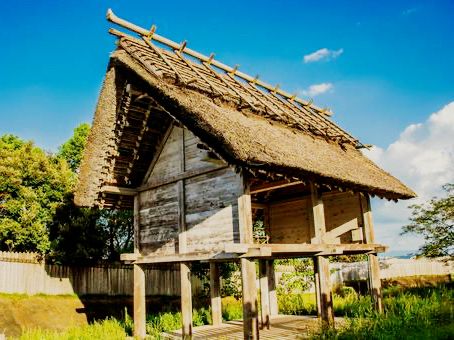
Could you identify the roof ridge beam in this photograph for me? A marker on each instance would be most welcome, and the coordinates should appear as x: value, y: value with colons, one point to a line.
x: 146, y: 33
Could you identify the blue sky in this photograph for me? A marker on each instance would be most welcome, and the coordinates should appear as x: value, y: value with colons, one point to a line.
x: 391, y: 64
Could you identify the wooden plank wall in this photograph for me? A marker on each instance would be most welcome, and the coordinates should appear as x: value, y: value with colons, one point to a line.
x: 342, y: 212
x: 159, y: 220
x: 212, y: 210
x: 290, y: 220
x: 35, y: 278
x: 210, y: 200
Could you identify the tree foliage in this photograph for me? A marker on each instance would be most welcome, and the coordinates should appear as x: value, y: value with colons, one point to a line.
x: 37, y: 212
x: 435, y: 222
x: 72, y: 149
x: 87, y: 235
x: 33, y: 184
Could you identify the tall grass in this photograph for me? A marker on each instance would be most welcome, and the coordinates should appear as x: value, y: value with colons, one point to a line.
x: 109, y: 329
x: 414, y: 314
x: 170, y: 321
x: 418, y: 313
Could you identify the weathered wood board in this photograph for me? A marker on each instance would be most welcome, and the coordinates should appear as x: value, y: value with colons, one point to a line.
x: 159, y: 220
x: 210, y: 200
x: 212, y: 210
x: 196, y: 156
x: 168, y: 162
x: 342, y: 217
x: 289, y: 221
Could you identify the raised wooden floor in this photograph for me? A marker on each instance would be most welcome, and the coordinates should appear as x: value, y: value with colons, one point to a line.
x: 282, y: 327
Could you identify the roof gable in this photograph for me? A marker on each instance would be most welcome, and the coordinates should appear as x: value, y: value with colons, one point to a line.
x: 253, y: 128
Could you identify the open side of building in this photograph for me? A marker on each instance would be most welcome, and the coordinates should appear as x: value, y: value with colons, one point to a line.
x: 200, y: 151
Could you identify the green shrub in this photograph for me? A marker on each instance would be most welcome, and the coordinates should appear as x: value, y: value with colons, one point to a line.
x: 232, y: 308
x: 201, y: 317
x: 297, y: 304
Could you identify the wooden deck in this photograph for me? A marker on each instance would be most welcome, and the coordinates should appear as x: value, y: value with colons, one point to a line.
x: 282, y: 327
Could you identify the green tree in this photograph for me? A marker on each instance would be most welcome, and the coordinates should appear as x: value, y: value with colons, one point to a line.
x: 72, y: 149
x: 33, y: 184
x: 434, y: 221
x: 87, y: 235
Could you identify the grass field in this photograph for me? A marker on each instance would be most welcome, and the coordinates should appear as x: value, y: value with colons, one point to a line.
x: 410, y: 313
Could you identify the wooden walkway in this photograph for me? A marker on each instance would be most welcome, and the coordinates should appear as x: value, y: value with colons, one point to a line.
x: 282, y: 327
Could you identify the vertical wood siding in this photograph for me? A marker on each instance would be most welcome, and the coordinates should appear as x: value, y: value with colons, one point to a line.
x: 210, y: 200
x: 289, y: 221
x: 37, y: 278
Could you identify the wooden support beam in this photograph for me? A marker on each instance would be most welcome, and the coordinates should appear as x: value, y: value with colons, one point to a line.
x: 111, y: 189
x: 188, y: 257
x: 139, y: 302
x: 245, y: 214
x: 239, y: 250
x: 374, y: 265
x: 264, y: 295
x: 136, y: 224
x: 272, y: 293
x: 250, y: 313
x: 186, y: 301
x: 181, y: 176
x: 272, y: 186
x: 317, y: 286
x: 324, y: 286
x: 321, y: 266
x: 375, y: 282
x: 182, y: 246
x: 368, y: 223
x: 215, y: 292
x: 318, y: 215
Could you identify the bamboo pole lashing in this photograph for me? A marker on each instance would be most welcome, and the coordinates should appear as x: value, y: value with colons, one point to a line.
x: 313, y: 110
x: 220, y: 77
x: 213, y: 87
x: 143, y: 32
x: 256, y: 96
x: 163, y: 57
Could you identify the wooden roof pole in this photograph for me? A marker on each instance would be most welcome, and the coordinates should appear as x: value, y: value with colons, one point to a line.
x: 142, y: 31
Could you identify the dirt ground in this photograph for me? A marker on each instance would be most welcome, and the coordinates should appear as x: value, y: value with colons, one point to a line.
x: 18, y: 312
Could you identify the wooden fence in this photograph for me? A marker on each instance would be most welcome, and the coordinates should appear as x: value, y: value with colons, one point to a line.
x: 391, y: 268
x: 24, y: 273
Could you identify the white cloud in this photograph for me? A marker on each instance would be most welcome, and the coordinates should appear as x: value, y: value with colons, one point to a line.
x: 409, y: 11
x: 316, y: 89
x: 322, y: 54
x: 423, y: 158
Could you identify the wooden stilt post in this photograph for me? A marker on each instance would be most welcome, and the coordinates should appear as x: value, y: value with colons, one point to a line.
x: 326, y: 299
x: 264, y: 295
x: 186, y: 301
x: 139, y: 302
x: 250, y: 315
x: 374, y: 265
x: 215, y: 292
x: 321, y: 264
x: 375, y: 282
x: 274, y: 308
x: 317, y: 286
x: 248, y: 276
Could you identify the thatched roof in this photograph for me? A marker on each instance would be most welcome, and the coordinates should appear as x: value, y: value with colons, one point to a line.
x: 146, y: 86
